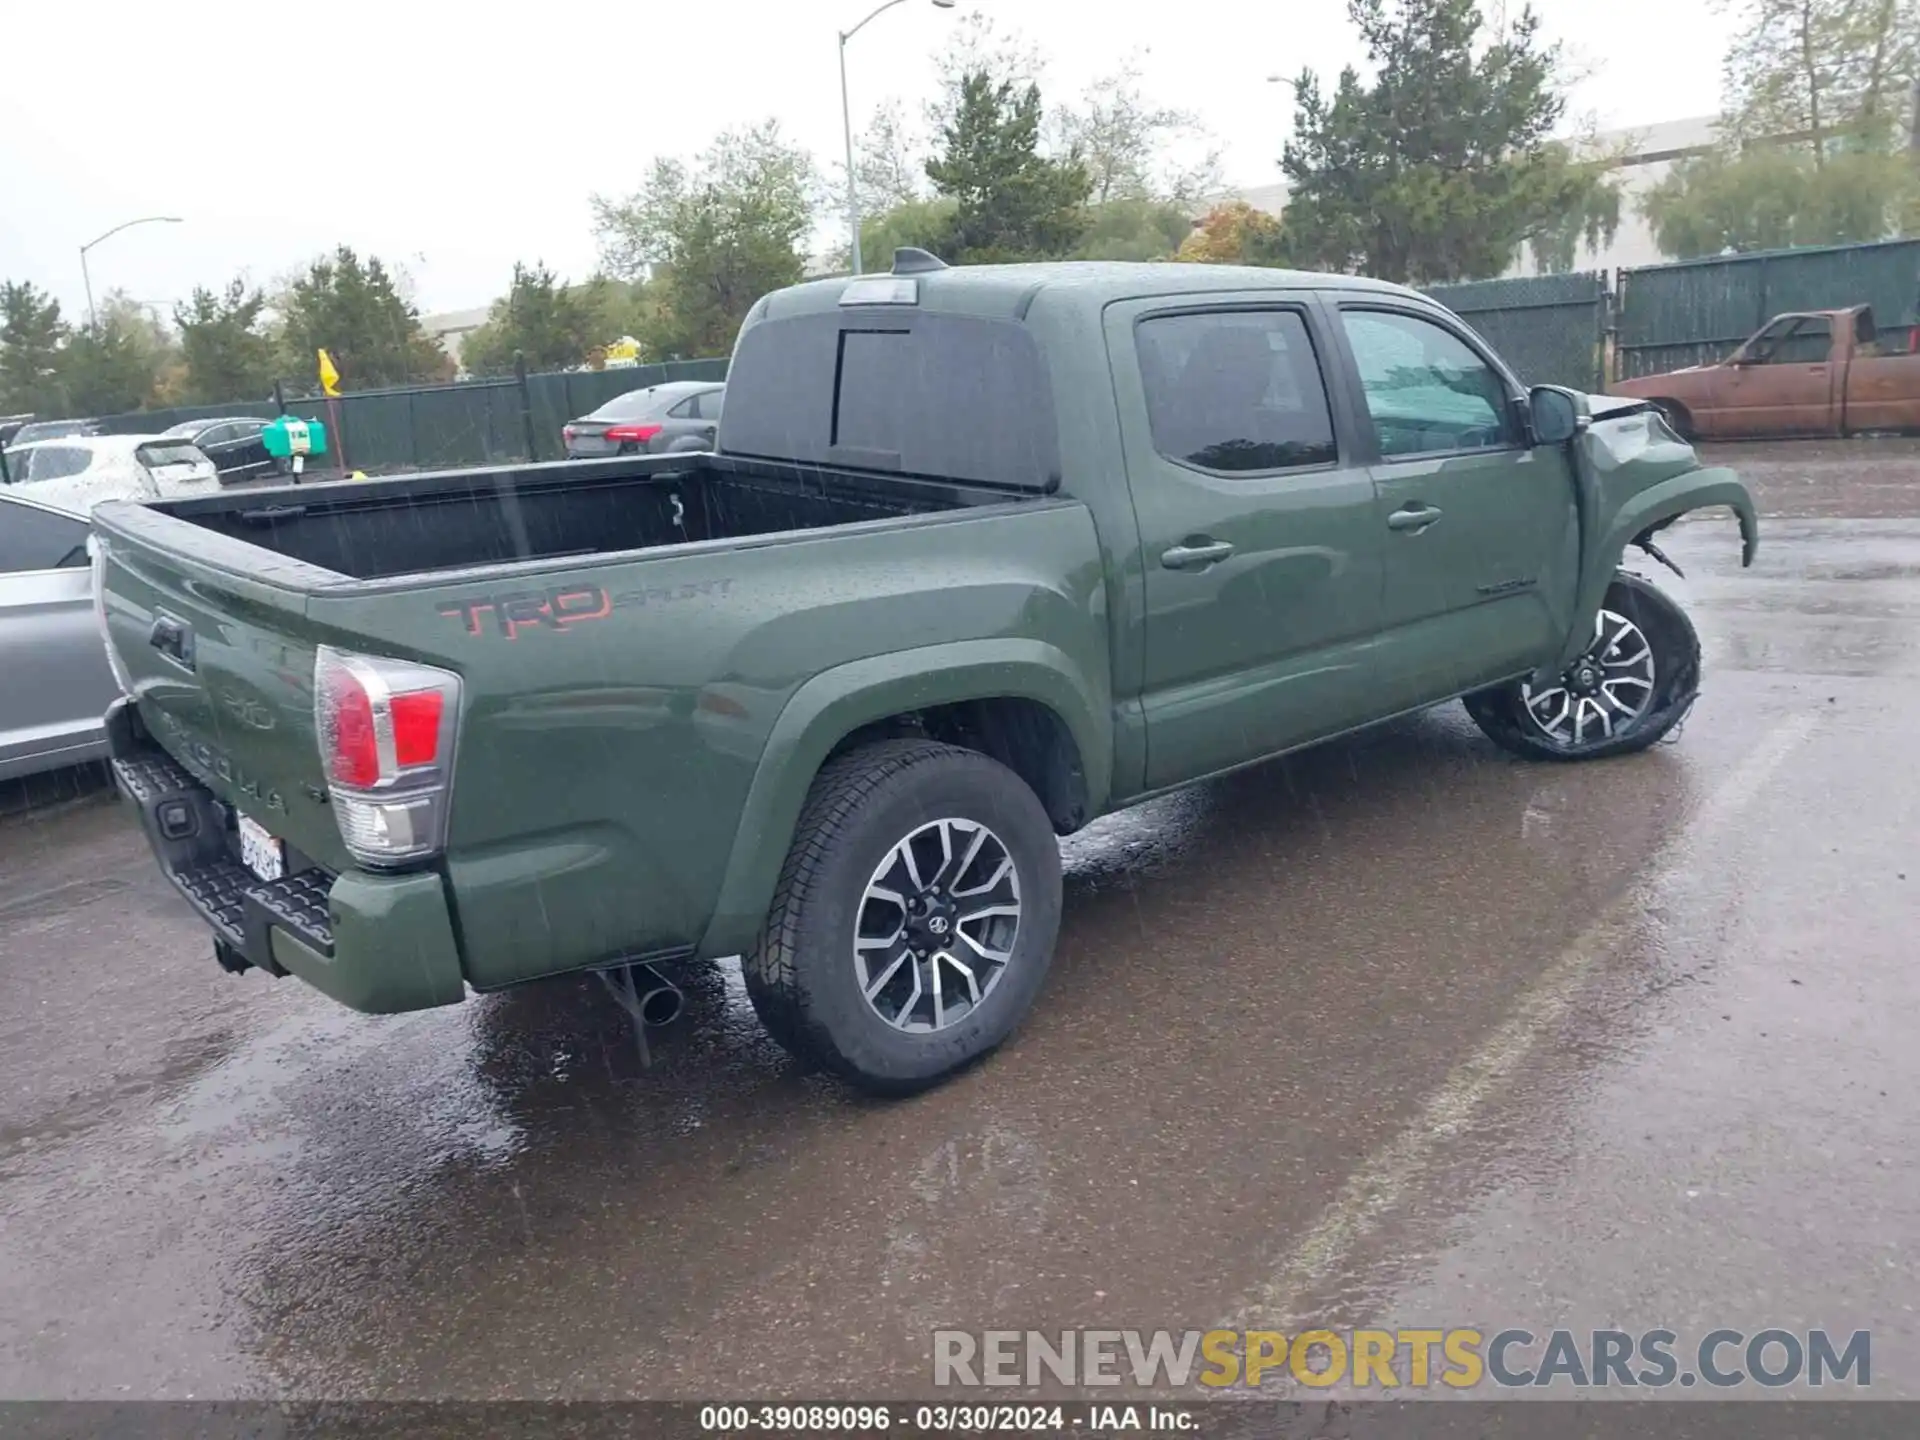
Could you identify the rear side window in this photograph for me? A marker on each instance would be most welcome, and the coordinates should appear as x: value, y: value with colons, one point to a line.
x: 1235, y: 391
x: 56, y: 462
x: 945, y: 396
x: 707, y: 406
x: 33, y: 539
x: 178, y: 453
x: 634, y: 405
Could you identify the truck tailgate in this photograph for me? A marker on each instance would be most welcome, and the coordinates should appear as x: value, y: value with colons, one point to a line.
x: 221, y: 665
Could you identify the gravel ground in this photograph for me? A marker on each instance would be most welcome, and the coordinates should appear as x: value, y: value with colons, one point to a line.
x: 1828, y: 479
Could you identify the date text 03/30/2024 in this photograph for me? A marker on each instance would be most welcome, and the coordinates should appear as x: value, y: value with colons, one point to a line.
x: 1087, y: 1419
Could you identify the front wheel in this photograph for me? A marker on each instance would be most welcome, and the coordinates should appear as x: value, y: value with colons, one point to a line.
x: 1631, y: 686
x: 914, y: 919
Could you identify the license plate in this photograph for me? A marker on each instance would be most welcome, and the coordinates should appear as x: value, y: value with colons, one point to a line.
x: 261, y: 852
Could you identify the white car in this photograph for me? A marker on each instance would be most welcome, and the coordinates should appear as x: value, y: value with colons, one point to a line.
x: 78, y: 472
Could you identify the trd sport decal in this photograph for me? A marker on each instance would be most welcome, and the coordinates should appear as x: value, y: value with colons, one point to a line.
x: 546, y: 609
x: 562, y: 608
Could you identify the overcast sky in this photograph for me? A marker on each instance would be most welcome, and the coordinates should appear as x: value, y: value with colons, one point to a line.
x: 454, y: 139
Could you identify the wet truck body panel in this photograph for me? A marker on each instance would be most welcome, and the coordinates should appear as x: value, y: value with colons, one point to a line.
x: 1822, y: 373
x: 1116, y: 528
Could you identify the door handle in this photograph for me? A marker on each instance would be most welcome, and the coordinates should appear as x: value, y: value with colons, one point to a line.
x: 173, y: 639
x: 1196, y: 556
x: 1413, y: 517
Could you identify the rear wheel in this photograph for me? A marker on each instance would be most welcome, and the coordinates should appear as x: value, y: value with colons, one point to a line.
x: 1630, y: 687
x: 915, y: 917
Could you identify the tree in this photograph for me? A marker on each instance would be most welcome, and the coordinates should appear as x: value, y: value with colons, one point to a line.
x: 1767, y: 197
x: 925, y: 224
x: 1129, y: 144
x: 1821, y: 71
x: 1818, y: 100
x: 354, y: 310
x: 223, y: 339
x: 1010, y: 201
x: 1234, y: 234
x: 114, y: 365
x: 31, y: 334
x: 713, y: 236
x: 887, y: 163
x: 1595, y: 212
x: 1133, y: 230
x: 539, y: 318
x: 1441, y: 167
x: 977, y: 46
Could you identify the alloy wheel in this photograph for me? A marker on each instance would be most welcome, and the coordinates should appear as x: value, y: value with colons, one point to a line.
x: 937, y: 925
x: 1602, y: 692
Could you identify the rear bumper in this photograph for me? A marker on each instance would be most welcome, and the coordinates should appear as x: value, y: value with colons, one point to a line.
x: 377, y: 943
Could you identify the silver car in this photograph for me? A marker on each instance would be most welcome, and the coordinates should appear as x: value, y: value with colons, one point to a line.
x: 55, y: 682
x: 677, y: 415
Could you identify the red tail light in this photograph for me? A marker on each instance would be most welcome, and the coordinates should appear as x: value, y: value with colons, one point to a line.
x: 628, y: 433
x: 351, y: 753
x: 385, y: 729
x: 566, y: 434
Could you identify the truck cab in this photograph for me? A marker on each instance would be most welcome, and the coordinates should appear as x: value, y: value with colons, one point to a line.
x: 982, y: 554
x: 1811, y: 373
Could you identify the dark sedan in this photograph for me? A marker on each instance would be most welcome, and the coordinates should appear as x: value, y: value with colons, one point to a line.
x: 679, y: 415
x: 235, y: 443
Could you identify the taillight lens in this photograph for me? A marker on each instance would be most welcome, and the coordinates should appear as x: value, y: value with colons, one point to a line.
x: 567, y: 432
x: 386, y: 730
x: 630, y: 433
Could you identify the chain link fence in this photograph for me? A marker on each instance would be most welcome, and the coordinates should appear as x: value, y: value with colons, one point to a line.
x: 433, y: 427
x: 1552, y: 329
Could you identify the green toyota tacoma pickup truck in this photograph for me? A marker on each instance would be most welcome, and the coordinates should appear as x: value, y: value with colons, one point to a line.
x: 982, y: 554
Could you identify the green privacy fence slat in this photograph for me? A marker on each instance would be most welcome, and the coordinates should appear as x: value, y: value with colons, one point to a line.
x: 1550, y: 328
x: 1695, y: 312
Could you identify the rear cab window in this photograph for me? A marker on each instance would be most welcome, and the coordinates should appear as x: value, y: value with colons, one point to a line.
x: 950, y: 397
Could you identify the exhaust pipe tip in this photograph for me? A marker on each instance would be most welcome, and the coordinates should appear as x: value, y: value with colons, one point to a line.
x: 662, y: 1006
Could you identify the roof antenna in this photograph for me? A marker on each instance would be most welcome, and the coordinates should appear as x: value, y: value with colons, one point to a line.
x: 912, y: 260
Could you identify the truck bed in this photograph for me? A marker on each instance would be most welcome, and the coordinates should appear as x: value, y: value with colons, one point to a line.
x: 423, y: 523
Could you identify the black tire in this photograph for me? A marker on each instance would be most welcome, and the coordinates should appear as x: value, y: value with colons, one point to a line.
x: 1502, y: 712
x: 800, y: 974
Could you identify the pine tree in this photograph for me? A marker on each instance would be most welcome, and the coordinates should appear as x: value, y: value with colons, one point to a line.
x: 1011, y: 202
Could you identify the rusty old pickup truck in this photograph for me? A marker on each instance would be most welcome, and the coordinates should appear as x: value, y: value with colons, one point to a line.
x: 1815, y: 373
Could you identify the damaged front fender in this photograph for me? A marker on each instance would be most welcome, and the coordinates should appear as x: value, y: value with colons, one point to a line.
x: 1636, y: 477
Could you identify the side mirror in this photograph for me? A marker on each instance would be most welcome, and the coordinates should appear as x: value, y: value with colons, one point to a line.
x: 1555, y: 415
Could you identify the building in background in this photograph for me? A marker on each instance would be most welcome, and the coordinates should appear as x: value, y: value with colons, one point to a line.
x: 449, y: 327
x: 1647, y: 153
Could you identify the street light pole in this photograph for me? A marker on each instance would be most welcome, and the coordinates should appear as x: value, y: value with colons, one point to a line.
x: 1293, y: 85
x: 93, y: 323
x: 846, y: 122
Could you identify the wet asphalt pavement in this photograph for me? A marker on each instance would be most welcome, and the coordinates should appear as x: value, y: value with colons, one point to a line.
x: 1401, y: 1031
